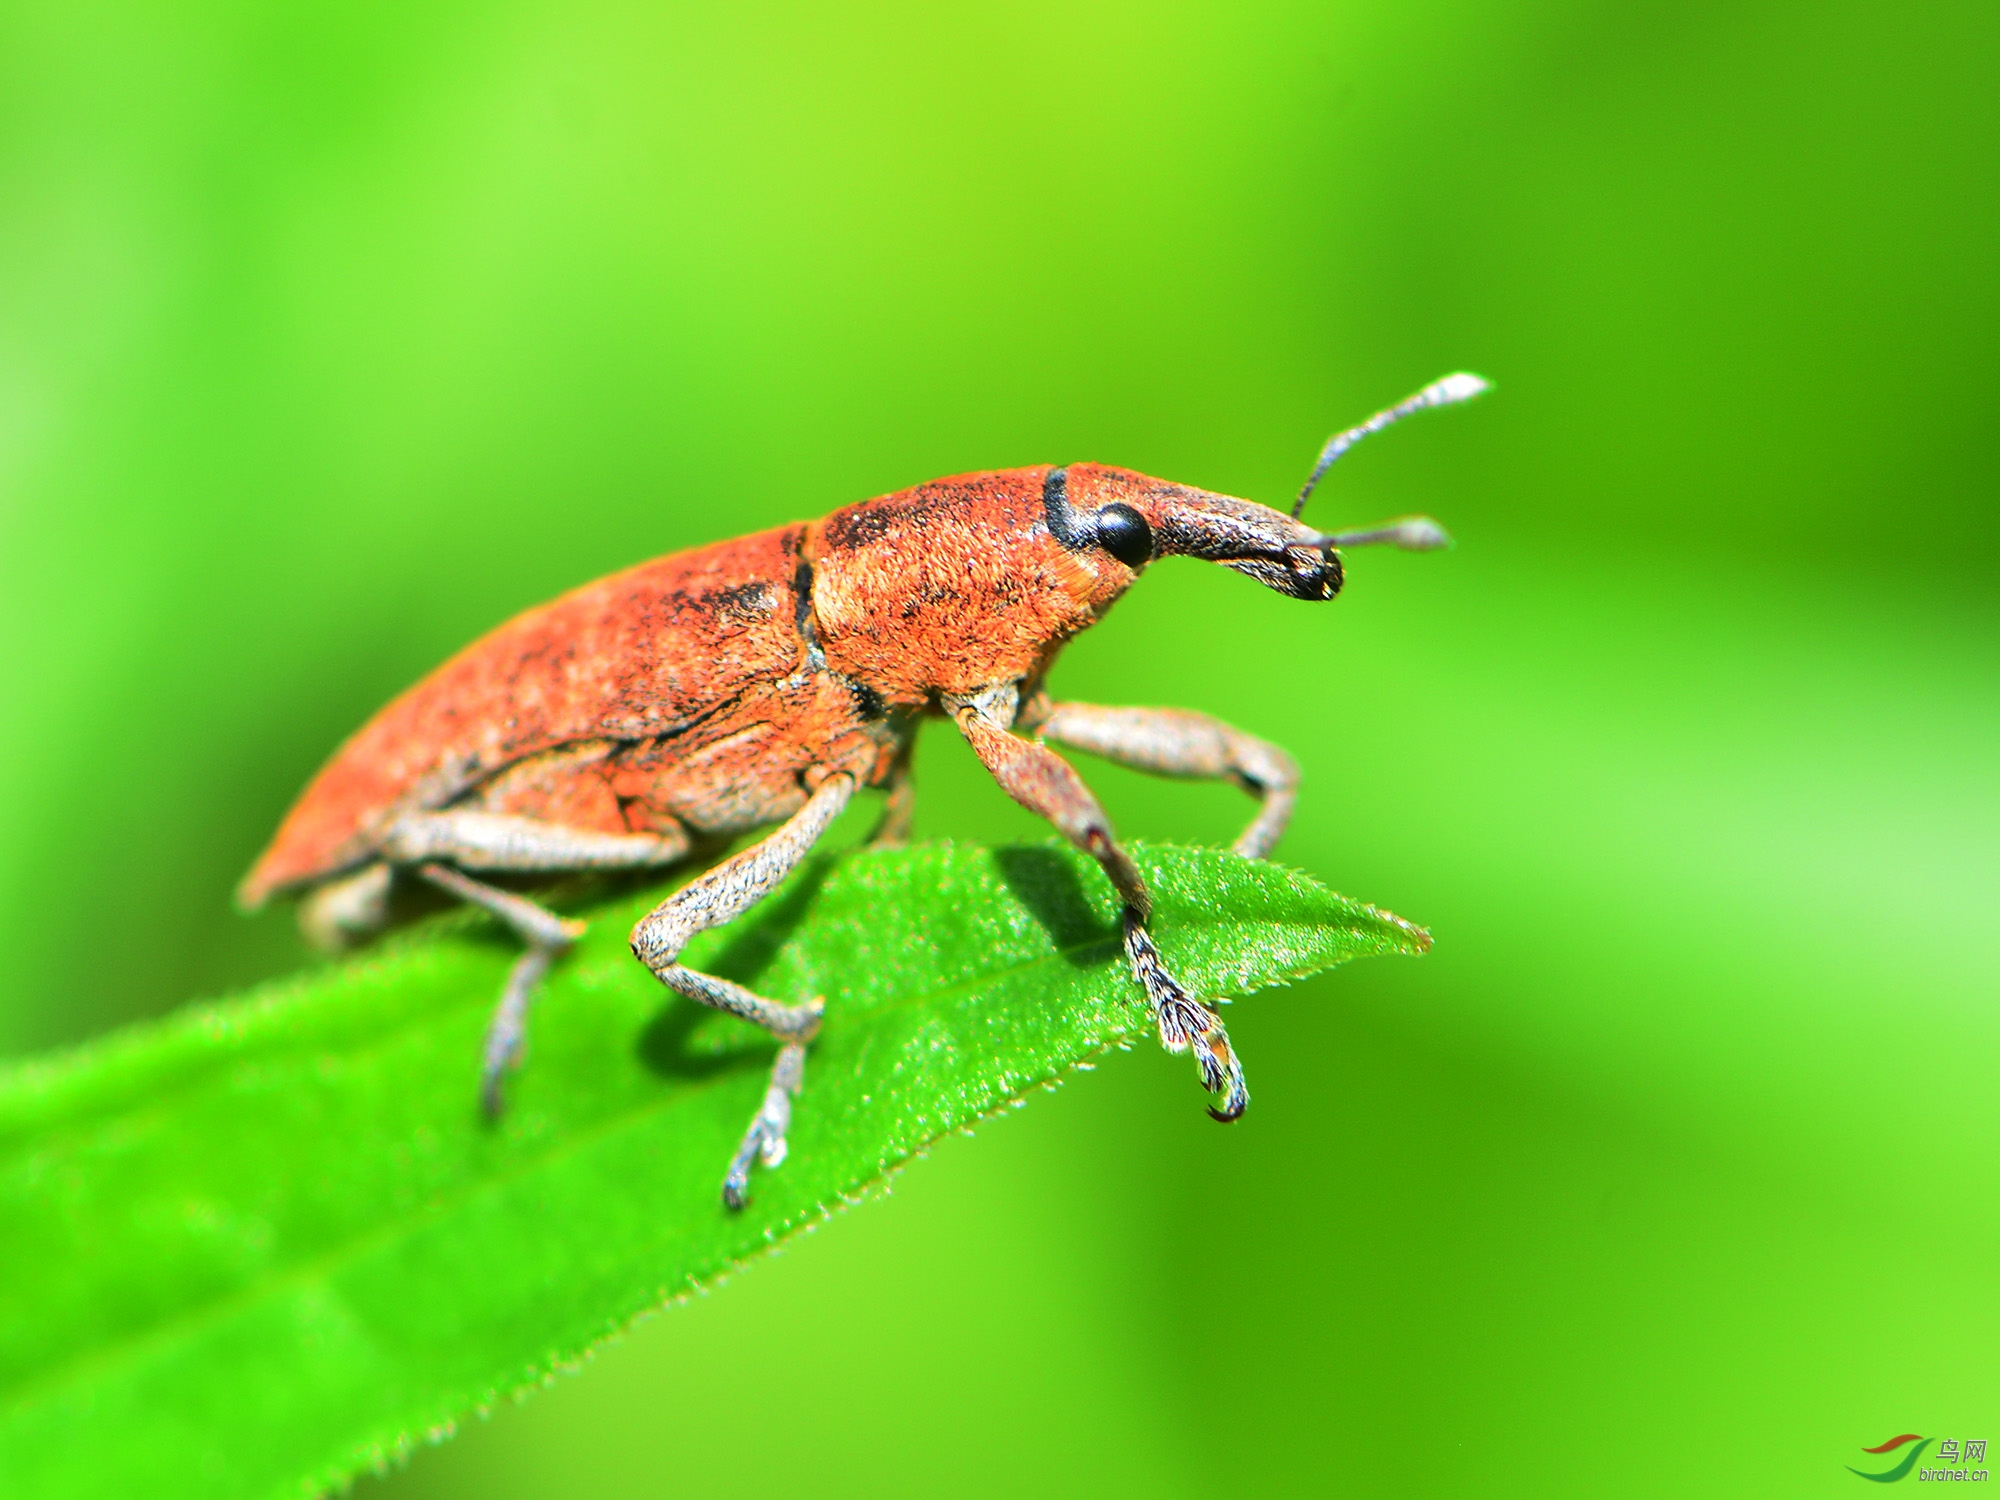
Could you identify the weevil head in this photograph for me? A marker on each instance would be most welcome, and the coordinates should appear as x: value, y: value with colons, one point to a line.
x: 1135, y: 519
x: 969, y: 582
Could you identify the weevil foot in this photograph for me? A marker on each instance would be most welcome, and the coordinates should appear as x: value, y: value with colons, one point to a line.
x: 765, y: 1139
x: 1186, y: 1024
x: 1221, y: 1071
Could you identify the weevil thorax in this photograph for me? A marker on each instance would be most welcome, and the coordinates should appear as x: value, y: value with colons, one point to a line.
x: 979, y: 579
x: 952, y: 586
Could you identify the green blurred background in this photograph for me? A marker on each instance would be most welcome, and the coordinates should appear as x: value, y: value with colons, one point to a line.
x: 330, y: 336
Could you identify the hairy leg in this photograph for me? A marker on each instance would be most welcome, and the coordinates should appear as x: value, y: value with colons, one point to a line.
x: 892, y: 830
x: 442, y: 845
x: 546, y: 936
x: 502, y: 841
x: 1044, y: 783
x: 1174, y: 742
x: 711, y: 899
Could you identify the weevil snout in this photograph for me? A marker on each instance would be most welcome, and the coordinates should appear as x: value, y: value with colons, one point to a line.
x: 1137, y: 519
x: 1303, y: 571
x: 1251, y: 539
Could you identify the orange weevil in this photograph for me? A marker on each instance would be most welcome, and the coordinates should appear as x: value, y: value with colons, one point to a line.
x: 765, y: 679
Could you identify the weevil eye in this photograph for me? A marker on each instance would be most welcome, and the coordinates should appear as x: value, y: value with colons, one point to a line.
x: 1123, y: 532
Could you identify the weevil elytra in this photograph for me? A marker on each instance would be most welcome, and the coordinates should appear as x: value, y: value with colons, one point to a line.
x: 764, y: 680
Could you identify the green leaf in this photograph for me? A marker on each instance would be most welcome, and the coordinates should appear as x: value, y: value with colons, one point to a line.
x: 268, y: 1242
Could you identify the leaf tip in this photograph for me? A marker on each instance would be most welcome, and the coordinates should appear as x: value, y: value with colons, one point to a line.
x: 1419, y: 937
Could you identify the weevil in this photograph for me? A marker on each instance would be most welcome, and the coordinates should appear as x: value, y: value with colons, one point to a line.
x: 764, y: 680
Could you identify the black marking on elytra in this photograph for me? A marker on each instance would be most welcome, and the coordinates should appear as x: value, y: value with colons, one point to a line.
x: 802, y: 600
x: 859, y: 526
x: 912, y: 510
x: 802, y: 617
x: 740, y: 601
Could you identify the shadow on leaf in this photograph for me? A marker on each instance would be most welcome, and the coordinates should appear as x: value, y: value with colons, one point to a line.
x: 1048, y: 886
x: 667, y: 1046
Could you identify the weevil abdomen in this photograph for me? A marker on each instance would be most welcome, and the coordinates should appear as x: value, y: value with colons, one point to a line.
x: 684, y: 689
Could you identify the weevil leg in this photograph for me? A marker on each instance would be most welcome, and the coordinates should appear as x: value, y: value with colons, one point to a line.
x: 546, y: 935
x: 1043, y: 782
x: 1191, y: 746
x: 503, y: 841
x: 717, y: 896
x: 892, y: 829
x: 345, y: 910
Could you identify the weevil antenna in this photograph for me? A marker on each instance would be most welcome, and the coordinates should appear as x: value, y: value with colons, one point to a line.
x: 1411, y: 533
x: 1446, y: 392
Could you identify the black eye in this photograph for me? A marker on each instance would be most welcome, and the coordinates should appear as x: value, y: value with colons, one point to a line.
x: 1123, y: 532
